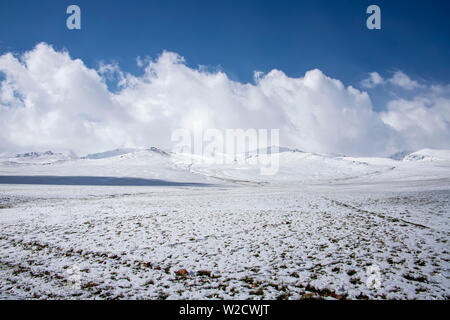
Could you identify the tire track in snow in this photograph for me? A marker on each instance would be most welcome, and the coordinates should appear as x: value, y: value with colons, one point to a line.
x: 392, y: 219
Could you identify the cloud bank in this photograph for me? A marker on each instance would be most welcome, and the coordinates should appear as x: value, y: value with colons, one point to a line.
x: 50, y: 101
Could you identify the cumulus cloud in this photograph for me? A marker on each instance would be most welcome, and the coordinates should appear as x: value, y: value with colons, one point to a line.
x: 50, y: 101
x: 399, y: 79
x: 373, y: 80
x: 423, y: 121
x: 402, y: 80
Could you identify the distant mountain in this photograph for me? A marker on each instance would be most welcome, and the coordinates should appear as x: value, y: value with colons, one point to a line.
x: 428, y: 155
x: 159, y: 151
x: 400, y: 155
x: 109, y: 154
x: 123, y: 151
x: 291, y: 165
x: 35, y: 157
x: 34, y: 154
x: 271, y: 150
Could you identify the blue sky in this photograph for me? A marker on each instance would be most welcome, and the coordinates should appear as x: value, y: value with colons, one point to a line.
x: 48, y: 100
x: 243, y: 36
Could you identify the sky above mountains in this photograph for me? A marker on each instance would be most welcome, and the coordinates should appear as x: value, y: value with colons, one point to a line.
x: 137, y: 70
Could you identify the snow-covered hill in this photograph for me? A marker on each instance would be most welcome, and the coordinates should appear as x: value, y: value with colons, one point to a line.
x: 294, y: 166
x: 40, y: 158
x: 313, y: 229
x: 303, y: 167
x: 150, y: 163
x: 428, y: 155
x: 109, y: 153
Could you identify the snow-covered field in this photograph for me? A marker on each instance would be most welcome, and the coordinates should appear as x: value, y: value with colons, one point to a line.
x: 135, y: 224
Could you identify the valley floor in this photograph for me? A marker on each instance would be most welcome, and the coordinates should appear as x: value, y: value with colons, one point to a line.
x: 225, y: 241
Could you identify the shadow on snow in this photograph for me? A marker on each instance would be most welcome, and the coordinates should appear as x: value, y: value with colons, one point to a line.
x: 94, y: 181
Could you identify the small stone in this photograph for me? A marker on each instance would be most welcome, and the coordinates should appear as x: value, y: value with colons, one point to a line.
x: 182, y: 272
x: 204, y: 273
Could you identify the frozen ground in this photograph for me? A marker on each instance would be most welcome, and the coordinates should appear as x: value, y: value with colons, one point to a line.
x: 323, y: 227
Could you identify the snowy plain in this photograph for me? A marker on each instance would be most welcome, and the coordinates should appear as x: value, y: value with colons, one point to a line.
x: 148, y: 224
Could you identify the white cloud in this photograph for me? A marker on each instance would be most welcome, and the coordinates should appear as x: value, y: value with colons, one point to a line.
x: 398, y: 79
x: 50, y: 101
x: 373, y: 80
x: 402, y: 80
x: 423, y: 121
